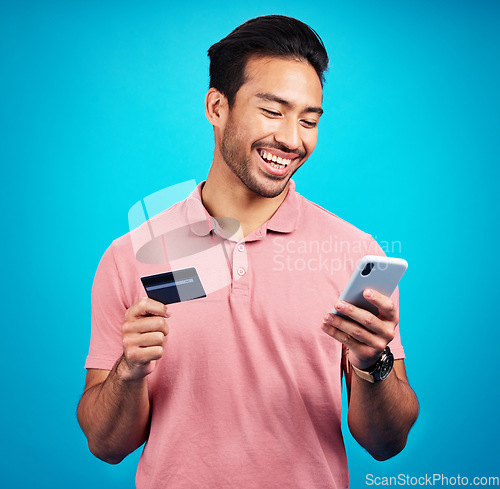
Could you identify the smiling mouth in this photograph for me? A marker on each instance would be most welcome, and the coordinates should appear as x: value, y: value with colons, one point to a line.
x: 275, y: 161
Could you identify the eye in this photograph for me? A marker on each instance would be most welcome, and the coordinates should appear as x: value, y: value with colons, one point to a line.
x: 271, y: 113
x: 309, y: 124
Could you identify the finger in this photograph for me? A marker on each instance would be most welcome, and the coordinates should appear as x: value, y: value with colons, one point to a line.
x: 385, y: 305
x: 362, y: 317
x: 140, y: 349
x: 145, y: 325
x: 351, y: 333
x: 142, y: 356
x: 155, y: 338
x: 145, y: 340
x: 338, y: 334
x: 147, y: 307
x: 361, y: 354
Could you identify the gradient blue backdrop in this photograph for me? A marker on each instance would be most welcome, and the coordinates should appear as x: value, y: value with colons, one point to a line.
x: 102, y: 105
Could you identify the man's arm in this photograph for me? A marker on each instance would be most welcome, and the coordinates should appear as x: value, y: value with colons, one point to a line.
x: 114, y: 409
x: 381, y: 414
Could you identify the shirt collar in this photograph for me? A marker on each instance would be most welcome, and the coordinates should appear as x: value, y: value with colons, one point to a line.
x: 200, y: 221
x: 284, y: 220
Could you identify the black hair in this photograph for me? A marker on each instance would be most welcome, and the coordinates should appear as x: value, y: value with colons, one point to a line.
x: 270, y: 35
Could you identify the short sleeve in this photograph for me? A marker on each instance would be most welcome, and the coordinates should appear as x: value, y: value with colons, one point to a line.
x: 108, y: 311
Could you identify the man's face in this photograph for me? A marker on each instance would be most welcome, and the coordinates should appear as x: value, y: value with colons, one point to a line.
x: 272, y: 127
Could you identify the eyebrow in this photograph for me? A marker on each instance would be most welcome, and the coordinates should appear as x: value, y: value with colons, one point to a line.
x: 274, y: 98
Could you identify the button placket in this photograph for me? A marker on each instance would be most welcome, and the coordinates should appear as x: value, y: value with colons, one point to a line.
x: 240, y: 268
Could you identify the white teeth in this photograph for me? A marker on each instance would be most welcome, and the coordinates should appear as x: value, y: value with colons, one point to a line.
x: 271, y: 159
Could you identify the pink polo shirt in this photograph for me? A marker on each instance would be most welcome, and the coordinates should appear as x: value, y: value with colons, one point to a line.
x: 248, y: 392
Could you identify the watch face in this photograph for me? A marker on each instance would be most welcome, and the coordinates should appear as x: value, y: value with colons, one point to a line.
x: 386, y: 367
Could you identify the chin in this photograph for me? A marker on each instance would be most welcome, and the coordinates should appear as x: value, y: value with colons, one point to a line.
x: 269, y: 188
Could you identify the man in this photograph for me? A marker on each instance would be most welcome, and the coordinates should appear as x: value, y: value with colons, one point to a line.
x: 243, y: 388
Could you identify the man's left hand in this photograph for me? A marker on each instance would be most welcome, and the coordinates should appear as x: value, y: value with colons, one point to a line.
x: 365, y: 334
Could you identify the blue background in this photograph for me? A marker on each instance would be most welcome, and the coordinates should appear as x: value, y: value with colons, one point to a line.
x: 102, y: 105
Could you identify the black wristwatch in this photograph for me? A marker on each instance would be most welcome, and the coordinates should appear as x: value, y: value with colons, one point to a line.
x: 380, y: 371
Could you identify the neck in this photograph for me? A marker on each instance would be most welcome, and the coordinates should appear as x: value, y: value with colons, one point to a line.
x: 226, y: 196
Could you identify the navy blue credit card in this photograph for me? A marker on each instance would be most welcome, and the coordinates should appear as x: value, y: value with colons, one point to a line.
x: 175, y: 286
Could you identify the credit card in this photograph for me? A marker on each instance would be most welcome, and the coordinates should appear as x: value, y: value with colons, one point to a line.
x: 175, y: 286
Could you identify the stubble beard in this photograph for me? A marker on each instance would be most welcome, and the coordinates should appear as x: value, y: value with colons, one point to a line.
x: 232, y: 152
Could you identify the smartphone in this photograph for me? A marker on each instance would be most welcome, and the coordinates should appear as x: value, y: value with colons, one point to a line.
x: 379, y: 273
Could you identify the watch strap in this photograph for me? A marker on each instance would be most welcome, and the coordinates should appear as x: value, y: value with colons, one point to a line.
x: 360, y: 373
x: 368, y: 375
x: 363, y: 374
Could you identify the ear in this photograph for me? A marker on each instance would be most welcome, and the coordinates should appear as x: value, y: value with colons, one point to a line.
x: 216, y: 107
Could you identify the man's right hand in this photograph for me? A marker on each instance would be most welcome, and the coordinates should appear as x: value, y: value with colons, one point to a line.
x: 114, y: 409
x: 144, y: 330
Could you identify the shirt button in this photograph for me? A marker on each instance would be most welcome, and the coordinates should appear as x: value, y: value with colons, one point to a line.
x: 241, y: 271
x: 241, y: 247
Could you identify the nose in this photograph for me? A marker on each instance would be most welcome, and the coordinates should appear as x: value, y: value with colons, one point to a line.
x: 288, y: 134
